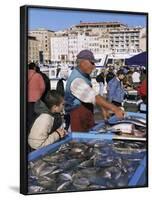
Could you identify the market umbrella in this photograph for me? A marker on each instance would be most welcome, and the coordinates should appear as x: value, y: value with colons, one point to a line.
x: 140, y: 59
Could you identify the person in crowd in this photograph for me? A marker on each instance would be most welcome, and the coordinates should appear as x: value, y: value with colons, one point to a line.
x: 46, y: 81
x: 60, y: 87
x: 100, y: 79
x: 142, y: 90
x: 80, y: 97
x: 110, y: 75
x: 115, y: 89
x: 128, y: 79
x: 47, y: 122
x: 143, y: 75
x: 36, y: 89
x: 61, y: 84
x: 136, y: 78
x: 58, y: 69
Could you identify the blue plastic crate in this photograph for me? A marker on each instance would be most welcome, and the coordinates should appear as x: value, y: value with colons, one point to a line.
x: 139, y: 177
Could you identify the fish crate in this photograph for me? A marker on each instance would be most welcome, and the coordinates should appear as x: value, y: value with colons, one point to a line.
x: 137, y: 179
x: 101, y: 123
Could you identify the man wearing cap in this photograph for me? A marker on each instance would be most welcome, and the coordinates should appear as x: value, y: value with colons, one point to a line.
x: 80, y: 97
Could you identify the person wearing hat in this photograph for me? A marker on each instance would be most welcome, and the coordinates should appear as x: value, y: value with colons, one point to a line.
x: 80, y: 97
x: 115, y: 89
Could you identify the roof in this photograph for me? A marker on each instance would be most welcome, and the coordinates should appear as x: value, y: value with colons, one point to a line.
x: 99, y: 23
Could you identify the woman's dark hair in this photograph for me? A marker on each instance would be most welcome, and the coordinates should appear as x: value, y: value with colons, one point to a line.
x: 52, y: 98
x: 32, y: 65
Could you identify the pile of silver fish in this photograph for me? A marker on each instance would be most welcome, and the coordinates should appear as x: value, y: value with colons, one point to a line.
x: 135, y: 126
x: 85, y: 165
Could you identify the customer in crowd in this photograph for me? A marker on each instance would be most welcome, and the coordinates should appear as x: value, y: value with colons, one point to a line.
x: 58, y: 69
x: 46, y: 82
x: 143, y: 75
x: 80, y: 97
x: 136, y: 78
x: 115, y: 89
x: 142, y: 90
x: 100, y: 79
x: 110, y: 75
x: 60, y: 87
x: 47, y: 122
x: 36, y: 89
x: 128, y: 78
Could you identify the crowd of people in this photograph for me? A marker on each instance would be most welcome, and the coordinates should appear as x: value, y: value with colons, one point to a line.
x: 114, y: 83
x: 73, y: 103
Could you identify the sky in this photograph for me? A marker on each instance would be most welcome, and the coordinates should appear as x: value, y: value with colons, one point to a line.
x: 56, y: 20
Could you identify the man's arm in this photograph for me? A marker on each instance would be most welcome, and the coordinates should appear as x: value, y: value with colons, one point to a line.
x: 101, y: 102
x: 85, y: 93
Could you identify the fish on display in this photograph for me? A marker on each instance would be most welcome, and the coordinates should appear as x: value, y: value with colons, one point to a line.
x: 139, y: 133
x: 81, y: 183
x: 131, y: 119
x: 103, y: 164
x: 35, y: 189
x: 127, y: 127
x: 47, y: 182
x: 137, y: 119
x: 123, y: 127
x: 63, y: 186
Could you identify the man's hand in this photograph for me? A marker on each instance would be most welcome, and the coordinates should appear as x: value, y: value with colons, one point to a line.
x: 103, y: 103
x: 105, y: 113
x: 119, y: 113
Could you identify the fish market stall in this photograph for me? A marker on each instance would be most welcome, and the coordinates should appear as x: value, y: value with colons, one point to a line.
x: 132, y: 126
x: 88, y: 161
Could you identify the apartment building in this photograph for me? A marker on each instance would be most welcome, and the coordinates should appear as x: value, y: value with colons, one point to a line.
x: 125, y: 40
x: 33, y: 51
x: 98, y: 26
x: 143, y: 36
x: 65, y: 47
x: 112, y: 39
x: 43, y: 36
x: 59, y: 48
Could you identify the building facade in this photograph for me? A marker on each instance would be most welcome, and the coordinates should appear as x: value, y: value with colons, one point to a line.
x: 143, y: 37
x: 105, y: 39
x: 59, y: 48
x: 33, y: 51
x: 44, y: 48
x: 114, y: 39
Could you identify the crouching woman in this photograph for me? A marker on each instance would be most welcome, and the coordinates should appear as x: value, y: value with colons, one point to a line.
x: 47, y: 125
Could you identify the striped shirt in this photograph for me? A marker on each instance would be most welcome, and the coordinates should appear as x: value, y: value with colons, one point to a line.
x: 81, y: 90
